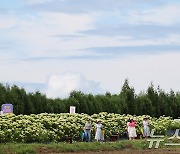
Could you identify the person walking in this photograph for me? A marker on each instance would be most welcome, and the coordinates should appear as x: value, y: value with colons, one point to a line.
x: 87, y: 131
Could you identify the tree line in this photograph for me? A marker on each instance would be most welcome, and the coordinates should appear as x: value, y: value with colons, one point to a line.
x: 153, y: 102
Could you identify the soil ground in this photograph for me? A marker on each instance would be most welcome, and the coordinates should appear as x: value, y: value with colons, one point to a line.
x: 127, y: 151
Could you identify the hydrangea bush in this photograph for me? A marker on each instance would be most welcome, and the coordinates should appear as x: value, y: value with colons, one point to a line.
x: 55, y: 127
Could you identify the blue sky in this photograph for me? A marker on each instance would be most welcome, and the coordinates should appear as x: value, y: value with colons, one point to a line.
x: 56, y: 46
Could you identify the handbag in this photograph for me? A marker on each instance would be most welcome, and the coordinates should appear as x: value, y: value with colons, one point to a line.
x: 82, y: 136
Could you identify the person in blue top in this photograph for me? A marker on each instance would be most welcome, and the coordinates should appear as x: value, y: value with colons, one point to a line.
x: 87, y: 130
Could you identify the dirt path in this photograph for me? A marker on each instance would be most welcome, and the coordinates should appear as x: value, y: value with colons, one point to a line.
x: 127, y: 151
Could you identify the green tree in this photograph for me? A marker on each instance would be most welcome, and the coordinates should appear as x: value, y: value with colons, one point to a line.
x: 153, y: 96
x: 128, y: 94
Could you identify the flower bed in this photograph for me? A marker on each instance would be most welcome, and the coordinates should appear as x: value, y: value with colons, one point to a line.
x: 54, y: 127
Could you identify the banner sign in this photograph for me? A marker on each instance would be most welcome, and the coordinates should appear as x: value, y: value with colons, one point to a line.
x: 72, y: 109
x: 7, y: 108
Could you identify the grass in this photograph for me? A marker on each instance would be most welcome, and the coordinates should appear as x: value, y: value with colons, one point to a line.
x: 35, y: 148
x: 18, y: 148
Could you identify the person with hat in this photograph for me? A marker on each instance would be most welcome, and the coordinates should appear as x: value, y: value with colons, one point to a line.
x: 87, y: 131
x: 99, y: 128
x: 146, y: 130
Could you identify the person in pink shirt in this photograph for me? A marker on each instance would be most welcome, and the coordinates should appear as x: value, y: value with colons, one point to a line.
x: 132, y: 129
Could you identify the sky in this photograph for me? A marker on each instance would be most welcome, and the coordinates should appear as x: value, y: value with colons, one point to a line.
x: 57, y: 46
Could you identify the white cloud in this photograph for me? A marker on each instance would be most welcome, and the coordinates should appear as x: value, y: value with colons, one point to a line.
x: 32, y: 2
x: 61, y: 85
x: 34, y: 35
x: 7, y: 22
x: 108, y: 74
x: 164, y: 15
x: 37, y: 33
x: 67, y: 23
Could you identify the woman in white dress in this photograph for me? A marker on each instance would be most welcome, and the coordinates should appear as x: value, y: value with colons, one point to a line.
x: 146, y: 131
x: 99, y: 127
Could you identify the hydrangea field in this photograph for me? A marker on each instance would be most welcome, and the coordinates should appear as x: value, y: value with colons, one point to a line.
x: 54, y: 127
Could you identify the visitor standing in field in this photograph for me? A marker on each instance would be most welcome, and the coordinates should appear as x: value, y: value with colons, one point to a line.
x: 132, y: 129
x: 98, y: 134
x: 127, y: 125
x: 87, y: 131
x: 146, y: 130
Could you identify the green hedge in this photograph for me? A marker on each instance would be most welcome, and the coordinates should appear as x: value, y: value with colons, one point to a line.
x: 54, y: 127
